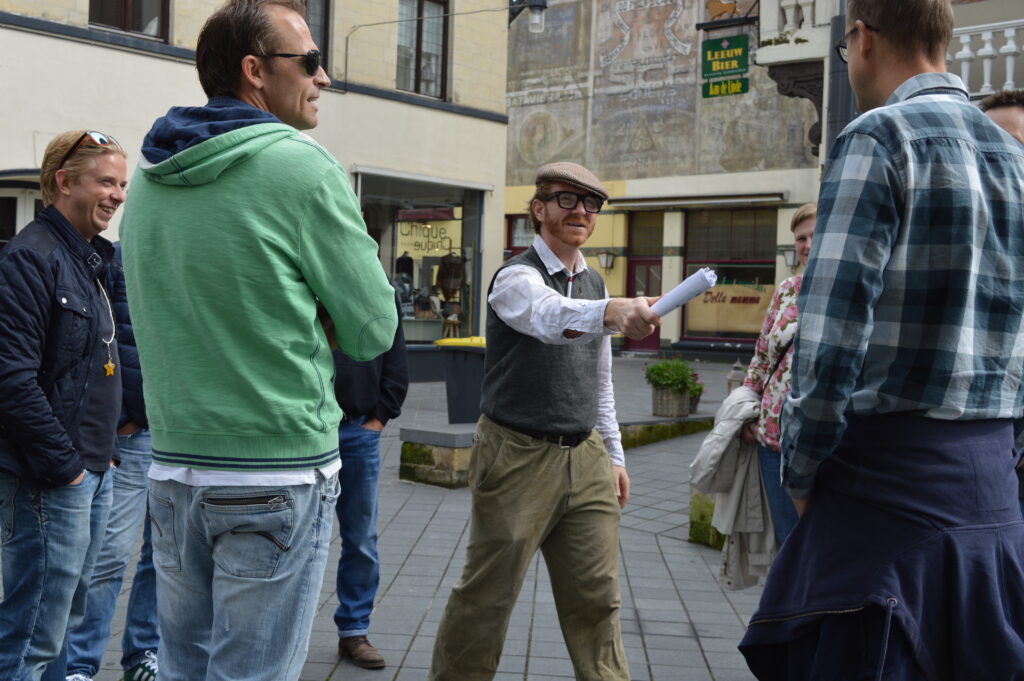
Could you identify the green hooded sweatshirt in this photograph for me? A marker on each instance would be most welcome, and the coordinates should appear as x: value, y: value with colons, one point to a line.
x: 227, y: 246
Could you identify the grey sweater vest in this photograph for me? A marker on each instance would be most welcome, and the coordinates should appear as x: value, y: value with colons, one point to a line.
x: 534, y: 386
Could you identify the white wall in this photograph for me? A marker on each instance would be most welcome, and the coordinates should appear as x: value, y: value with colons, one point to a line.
x: 53, y: 84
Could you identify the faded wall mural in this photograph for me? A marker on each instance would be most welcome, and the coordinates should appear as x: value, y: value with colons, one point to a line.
x: 615, y: 85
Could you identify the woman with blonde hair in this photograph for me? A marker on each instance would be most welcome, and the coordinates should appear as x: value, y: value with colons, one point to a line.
x: 770, y: 377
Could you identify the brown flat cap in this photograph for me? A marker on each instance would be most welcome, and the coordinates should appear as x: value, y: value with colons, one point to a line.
x: 574, y: 174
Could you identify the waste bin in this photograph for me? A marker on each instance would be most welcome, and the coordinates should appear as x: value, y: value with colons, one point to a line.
x: 463, y: 376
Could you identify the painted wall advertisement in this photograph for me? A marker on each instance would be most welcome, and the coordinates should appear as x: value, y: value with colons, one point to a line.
x: 617, y: 86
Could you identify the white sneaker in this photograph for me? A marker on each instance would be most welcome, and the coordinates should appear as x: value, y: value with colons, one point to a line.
x: 78, y: 677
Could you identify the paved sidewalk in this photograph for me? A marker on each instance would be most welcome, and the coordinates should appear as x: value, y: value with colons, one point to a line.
x: 678, y: 624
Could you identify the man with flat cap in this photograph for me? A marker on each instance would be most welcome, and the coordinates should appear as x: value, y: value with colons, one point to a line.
x: 547, y: 470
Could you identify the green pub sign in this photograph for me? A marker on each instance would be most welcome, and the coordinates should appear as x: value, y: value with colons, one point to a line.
x: 725, y: 56
x: 724, y: 88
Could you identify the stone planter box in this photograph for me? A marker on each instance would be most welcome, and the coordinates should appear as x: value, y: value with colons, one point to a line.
x: 437, y: 456
x: 670, y: 402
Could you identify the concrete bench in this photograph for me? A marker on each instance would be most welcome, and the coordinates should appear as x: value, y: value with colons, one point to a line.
x: 439, y: 455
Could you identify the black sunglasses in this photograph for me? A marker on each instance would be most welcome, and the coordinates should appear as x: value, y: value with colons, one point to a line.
x: 312, y: 59
x: 98, y: 138
x: 841, y: 44
x: 569, y: 201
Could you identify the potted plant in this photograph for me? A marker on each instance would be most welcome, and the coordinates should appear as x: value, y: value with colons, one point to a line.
x: 672, y: 382
x: 695, y: 392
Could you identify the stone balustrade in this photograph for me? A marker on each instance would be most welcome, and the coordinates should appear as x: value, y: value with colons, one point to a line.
x: 783, y: 18
x: 985, y: 56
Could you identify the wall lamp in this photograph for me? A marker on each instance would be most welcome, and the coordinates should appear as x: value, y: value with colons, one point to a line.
x: 536, y: 8
x: 788, y: 254
x: 606, y: 259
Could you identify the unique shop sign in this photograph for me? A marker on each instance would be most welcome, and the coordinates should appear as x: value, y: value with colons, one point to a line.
x: 725, y: 56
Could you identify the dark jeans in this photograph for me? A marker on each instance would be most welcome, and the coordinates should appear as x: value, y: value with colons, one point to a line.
x: 359, y: 566
x: 780, y: 505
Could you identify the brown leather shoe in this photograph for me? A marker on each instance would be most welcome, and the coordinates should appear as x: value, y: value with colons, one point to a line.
x: 363, y: 654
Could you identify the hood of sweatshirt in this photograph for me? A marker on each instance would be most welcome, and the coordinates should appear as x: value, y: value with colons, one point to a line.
x: 194, y: 145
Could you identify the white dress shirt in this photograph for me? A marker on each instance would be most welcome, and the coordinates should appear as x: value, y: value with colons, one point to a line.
x: 522, y: 300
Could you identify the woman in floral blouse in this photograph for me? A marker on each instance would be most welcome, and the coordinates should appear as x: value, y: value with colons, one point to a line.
x: 769, y: 376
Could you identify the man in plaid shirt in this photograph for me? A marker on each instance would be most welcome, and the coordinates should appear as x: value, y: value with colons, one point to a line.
x: 914, y: 297
x: 897, y: 438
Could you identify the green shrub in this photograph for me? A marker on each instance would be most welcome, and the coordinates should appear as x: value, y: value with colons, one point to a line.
x: 674, y: 374
x: 698, y: 388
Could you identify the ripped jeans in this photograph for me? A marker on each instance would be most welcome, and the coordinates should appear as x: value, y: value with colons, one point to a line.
x: 239, y: 571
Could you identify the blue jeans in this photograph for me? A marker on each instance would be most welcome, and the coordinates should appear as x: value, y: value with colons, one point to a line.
x: 87, y: 641
x: 50, y: 539
x: 359, y: 567
x: 238, y: 572
x: 780, y: 505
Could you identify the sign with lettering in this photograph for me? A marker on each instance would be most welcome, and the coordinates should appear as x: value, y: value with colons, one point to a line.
x: 424, y: 240
x: 729, y: 308
x: 725, y: 56
x: 724, y: 88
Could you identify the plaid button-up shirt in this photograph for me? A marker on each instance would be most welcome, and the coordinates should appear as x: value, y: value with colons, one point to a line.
x: 913, y: 300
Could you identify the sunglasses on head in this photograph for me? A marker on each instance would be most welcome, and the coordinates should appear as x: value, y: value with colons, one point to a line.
x: 98, y: 138
x: 312, y: 59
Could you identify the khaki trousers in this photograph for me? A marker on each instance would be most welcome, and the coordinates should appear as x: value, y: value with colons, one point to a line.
x: 527, y: 495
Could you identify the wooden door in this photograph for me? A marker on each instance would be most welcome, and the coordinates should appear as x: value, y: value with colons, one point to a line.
x: 644, y: 279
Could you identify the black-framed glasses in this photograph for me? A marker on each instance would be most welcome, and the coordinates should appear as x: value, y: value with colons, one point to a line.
x: 841, y: 44
x: 98, y: 138
x: 312, y: 59
x: 569, y: 201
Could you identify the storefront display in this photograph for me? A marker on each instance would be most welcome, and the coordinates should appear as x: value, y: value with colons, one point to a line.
x: 429, y: 235
x: 739, y: 245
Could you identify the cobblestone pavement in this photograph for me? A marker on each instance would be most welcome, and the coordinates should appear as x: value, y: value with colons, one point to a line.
x: 677, y: 623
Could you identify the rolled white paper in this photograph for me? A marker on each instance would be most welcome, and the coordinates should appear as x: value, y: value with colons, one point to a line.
x: 694, y: 285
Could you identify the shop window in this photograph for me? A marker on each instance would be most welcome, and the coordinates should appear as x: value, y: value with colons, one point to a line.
x: 646, y: 234
x: 318, y: 18
x: 519, y: 234
x: 146, y: 17
x: 740, y: 246
x: 730, y: 235
x: 429, y: 236
x: 422, y: 47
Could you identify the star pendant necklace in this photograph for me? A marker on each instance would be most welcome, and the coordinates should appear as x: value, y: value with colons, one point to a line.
x: 109, y: 366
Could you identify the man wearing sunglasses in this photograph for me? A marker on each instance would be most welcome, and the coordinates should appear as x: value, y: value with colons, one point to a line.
x: 898, y: 435
x: 241, y: 226
x: 547, y: 469
x: 60, y: 399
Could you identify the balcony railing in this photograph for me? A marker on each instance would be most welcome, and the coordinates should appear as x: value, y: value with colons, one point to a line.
x: 786, y: 17
x: 992, y: 47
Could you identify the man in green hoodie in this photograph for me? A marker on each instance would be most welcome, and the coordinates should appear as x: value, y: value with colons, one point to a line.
x: 238, y: 224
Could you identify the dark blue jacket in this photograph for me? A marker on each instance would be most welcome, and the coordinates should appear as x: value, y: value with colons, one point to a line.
x: 133, y: 406
x: 376, y: 388
x: 49, y: 318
